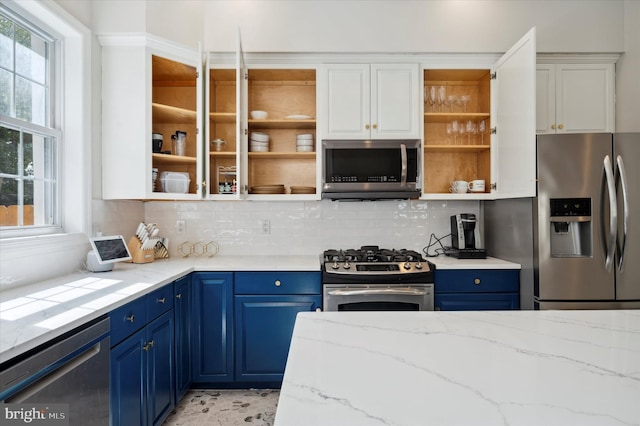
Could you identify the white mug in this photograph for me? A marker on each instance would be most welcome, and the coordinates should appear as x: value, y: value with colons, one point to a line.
x: 476, y: 185
x: 459, y: 186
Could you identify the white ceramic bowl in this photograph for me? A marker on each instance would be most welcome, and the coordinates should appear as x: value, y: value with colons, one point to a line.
x: 304, y: 142
x: 301, y: 148
x: 259, y: 143
x: 304, y: 136
x: 259, y: 115
x: 260, y: 137
x: 255, y: 148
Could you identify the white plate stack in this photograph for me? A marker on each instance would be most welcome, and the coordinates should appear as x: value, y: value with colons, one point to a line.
x: 154, y: 177
x: 259, y: 142
x: 304, y: 142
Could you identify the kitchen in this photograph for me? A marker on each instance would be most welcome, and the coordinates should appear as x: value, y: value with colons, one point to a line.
x: 317, y: 225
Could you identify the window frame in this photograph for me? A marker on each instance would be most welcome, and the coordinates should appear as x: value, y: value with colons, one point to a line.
x: 72, y: 117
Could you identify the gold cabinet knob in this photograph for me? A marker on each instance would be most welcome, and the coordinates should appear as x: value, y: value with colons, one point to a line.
x: 476, y: 281
x: 161, y: 300
x: 375, y: 126
x: 560, y: 126
x: 130, y: 318
x: 278, y: 283
x: 366, y: 126
x: 179, y: 296
x: 553, y: 126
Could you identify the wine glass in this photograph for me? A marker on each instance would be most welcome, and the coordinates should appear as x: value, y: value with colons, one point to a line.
x: 442, y: 96
x: 455, y: 129
x: 451, y: 100
x: 449, y: 130
x: 472, y: 129
x: 464, y: 99
x: 462, y: 130
x: 433, y: 96
x: 482, y: 127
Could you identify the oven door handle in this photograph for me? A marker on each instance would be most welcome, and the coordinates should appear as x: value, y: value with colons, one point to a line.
x: 403, y: 171
x: 388, y: 291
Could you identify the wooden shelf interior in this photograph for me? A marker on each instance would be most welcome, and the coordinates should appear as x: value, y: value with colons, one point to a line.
x: 297, y: 170
x: 174, y: 100
x: 463, y: 157
x: 222, y: 113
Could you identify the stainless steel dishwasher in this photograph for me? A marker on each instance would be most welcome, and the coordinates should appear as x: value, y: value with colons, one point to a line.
x: 72, y: 369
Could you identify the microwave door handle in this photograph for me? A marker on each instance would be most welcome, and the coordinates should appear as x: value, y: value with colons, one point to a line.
x: 625, y: 207
x: 403, y: 156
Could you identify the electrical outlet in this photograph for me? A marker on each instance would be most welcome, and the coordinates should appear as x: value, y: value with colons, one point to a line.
x: 266, y: 226
x: 181, y: 226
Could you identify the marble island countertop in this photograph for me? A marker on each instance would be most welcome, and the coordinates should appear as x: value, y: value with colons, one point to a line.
x: 471, y: 368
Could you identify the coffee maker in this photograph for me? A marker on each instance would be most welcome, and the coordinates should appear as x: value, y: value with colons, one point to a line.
x: 463, y: 237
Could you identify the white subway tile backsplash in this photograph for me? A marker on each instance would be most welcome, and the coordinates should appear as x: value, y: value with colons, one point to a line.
x: 305, y: 227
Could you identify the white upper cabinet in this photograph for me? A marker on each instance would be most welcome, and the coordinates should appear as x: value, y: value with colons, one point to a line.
x: 575, y: 98
x: 362, y: 101
x: 150, y: 86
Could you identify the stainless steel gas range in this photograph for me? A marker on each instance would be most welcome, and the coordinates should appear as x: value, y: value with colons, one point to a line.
x: 375, y: 279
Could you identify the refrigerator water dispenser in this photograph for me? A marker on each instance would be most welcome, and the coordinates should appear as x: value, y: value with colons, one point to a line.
x: 571, y: 227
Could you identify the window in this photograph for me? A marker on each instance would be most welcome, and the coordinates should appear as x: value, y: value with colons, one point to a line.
x: 28, y: 137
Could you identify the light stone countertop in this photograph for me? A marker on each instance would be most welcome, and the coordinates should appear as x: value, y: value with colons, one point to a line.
x: 447, y: 262
x: 463, y: 368
x: 34, y: 314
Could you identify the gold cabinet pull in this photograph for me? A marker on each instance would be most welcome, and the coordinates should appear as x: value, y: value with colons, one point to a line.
x: 179, y: 296
x: 161, y: 300
x: 278, y: 283
x: 130, y: 318
x: 476, y: 281
x: 146, y: 347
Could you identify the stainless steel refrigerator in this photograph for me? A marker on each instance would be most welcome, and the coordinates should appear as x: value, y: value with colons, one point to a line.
x: 583, y: 251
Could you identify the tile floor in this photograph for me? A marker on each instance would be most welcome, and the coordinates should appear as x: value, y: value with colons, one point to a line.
x: 225, y: 407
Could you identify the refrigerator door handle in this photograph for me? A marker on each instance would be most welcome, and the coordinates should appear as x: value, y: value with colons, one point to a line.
x: 613, y: 213
x: 625, y: 208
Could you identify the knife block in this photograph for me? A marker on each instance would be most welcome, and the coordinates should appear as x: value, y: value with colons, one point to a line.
x: 137, y: 254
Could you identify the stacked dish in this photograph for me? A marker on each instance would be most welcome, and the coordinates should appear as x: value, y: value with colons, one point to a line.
x: 267, y: 189
x: 303, y: 189
x: 259, y: 142
x: 304, y: 142
x: 154, y: 177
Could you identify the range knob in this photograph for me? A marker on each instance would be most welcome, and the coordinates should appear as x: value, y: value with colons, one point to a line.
x: 346, y: 265
x: 335, y: 265
x: 407, y: 265
x: 419, y: 265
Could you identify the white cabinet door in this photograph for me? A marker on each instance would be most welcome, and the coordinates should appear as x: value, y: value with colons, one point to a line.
x: 545, y: 99
x: 584, y: 98
x: 514, y: 145
x: 395, y: 97
x: 345, y: 101
x: 575, y: 98
x: 379, y: 101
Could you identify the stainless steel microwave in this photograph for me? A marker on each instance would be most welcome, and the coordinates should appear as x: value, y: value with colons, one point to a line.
x: 371, y: 169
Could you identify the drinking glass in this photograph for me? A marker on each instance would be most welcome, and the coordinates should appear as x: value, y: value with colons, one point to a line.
x: 482, y: 127
x: 449, y: 130
x: 472, y: 129
x: 433, y: 96
x: 462, y: 130
x: 452, y: 100
x: 455, y: 129
x: 442, y: 96
x: 464, y: 99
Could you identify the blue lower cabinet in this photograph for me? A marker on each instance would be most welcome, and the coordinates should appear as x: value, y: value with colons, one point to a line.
x: 212, y: 327
x: 142, y: 384
x: 128, y: 381
x: 476, y: 290
x: 263, y: 329
x: 182, y: 305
